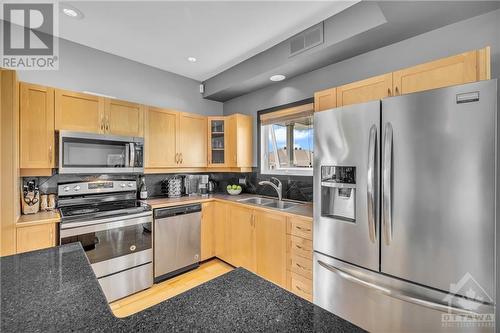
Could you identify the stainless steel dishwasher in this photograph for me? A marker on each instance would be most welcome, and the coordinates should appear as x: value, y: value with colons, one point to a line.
x: 176, y: 240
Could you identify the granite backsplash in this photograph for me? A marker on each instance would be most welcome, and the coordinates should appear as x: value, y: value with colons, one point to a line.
x: 294, y: 187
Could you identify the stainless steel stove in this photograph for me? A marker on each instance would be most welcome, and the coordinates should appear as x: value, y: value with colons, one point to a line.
x: 115, y: 230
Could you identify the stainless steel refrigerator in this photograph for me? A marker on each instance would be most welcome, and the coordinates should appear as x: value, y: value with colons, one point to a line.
x: 404, y: 211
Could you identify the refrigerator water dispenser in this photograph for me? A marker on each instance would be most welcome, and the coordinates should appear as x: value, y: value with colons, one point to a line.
x: 338, y: 192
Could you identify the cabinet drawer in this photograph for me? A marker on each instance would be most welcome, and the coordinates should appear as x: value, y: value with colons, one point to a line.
x: 300, y: 227
x: 301, y: 266
x: 301, y: 286
x: 300, y: 247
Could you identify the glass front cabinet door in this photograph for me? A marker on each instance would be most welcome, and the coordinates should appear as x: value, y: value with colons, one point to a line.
x: 217, y: 142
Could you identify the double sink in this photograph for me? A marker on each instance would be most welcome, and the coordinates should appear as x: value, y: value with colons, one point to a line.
x: 271, y: 203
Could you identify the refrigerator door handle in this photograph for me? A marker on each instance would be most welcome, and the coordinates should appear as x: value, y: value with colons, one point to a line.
x: 372, y: 229
x: 387, y: 184
x: 396, y: 294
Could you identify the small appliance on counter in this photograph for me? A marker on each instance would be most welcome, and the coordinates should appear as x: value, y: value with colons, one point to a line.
x: 203, y: 185
x: 31, y: 198
x: 192, y: 184
x: 175, y: 186
x: 212, y: 186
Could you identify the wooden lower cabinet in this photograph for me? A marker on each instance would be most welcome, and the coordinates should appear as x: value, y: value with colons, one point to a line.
x: 299, y: 256
x: 241, y: 244
x: 207, y: 231
x: 270, y: 244
x: 35, y: 237
x: 275, y: 246
x: 221, y: 231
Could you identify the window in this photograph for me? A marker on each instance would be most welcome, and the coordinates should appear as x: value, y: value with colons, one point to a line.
x: 286, y: 141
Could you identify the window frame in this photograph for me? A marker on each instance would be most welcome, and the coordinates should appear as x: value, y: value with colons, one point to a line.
x: 261, y: 154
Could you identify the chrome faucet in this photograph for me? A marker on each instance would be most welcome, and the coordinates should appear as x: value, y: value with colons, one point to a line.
x: 278, y: 188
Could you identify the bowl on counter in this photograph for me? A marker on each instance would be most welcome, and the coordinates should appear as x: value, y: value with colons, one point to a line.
x: 234, y: 192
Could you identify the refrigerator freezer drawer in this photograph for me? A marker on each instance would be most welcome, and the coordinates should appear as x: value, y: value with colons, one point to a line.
x: 378, y: 303
x: 127, y: 282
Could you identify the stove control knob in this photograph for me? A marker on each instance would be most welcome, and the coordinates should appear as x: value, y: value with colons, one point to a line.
x: 76, y: 188
x: 122, y: 185
x: 130, y: 184
x: 66, y: 188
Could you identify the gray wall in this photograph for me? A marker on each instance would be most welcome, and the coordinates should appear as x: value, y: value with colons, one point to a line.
x: 86, y: 69
x: 469, y: 34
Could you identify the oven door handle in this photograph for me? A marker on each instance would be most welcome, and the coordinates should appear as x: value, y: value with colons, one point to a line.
x: 105, y: 224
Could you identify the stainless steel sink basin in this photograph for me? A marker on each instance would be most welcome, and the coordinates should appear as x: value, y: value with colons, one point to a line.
x: 257, y: 200
x: 271, y: 203
x: 281, y: 204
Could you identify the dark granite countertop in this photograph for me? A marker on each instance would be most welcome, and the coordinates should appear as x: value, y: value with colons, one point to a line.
x: 56, y: 290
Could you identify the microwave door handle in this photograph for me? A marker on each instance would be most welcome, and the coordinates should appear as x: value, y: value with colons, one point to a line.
x: 372, y: 228
x: 132, y: 155
x: 127, y: 156
x: 387, y: 185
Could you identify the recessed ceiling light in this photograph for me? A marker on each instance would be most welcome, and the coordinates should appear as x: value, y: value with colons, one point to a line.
x: 277, y: 77
x: 71, y: 11
x: 191, y: 59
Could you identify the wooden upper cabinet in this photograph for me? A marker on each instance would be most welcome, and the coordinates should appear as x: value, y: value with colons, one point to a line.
x: 218, y: 145
x: 207, y: 231
x: 160, y: 140
x: 241, y: 245
x: 124, y: 118
x: 239, y: 141
x: 458, y: 69
x: 79, y: 112
x: 325, y: 99
x: 374, y: 88
x: 270, y: 240
x: 36, y: 126
x: 192, y: 140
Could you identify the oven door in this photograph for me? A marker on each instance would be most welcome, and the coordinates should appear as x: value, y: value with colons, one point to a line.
x: 115, y: 244
x: 96, y: 153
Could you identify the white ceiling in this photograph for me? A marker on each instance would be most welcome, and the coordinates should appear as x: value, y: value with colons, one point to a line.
x: 220, y: 34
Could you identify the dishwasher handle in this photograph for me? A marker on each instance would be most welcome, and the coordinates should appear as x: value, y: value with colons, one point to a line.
x: 176, y: 211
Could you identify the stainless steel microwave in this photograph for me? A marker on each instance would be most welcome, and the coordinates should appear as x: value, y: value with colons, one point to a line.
x: 90, y: 153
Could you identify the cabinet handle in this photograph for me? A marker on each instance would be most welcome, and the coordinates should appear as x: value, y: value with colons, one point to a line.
x: 102, y: 124
x: 389, y: 91
x: 303, y: 229
x: 177, y: 158
x: 182, y: 159
x: 296, y: 286
x: 107, y: 124
x: 299, y: 266
x: 397, y: 90
x: 50, y: 153
x: 298, y: 246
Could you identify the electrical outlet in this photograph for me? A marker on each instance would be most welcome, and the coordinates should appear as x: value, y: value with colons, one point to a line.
x: 242, y: 181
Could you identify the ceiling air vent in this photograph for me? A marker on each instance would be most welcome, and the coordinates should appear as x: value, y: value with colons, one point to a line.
x: 306, y: 40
